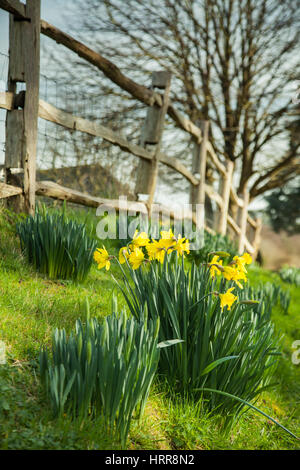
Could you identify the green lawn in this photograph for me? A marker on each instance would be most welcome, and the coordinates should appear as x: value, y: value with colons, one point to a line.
x: 31, y: 306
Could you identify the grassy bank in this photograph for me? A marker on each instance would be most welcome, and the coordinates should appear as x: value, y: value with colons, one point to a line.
x: 31, y: 306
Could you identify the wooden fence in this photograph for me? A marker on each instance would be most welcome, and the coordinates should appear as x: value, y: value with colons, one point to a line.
x: 25, y: 107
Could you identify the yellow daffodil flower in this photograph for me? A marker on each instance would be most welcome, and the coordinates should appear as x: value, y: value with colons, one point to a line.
x: 247, y: 258
x: 139, y: 240
x: 136, y: 258
x: 240, y: 261
x: 167, y: 240
x: 227, y: 299
x: 123, y: 254
x: 102, y: 258
x: 167, y: 234
x: 234, y: 274
x: 214, y: 270
x: 156, y: 250
x: 182, y: 245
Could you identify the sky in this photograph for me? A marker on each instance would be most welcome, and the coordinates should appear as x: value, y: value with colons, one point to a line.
x: 51, y: 11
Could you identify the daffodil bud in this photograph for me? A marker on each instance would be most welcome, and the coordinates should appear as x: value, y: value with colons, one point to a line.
x: 223, y: 254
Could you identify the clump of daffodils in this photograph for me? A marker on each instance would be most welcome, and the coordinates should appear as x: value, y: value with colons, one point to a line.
x: 235, y: 271
x: 142, y: 250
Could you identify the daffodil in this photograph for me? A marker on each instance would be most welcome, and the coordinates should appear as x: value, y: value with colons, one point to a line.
x: 214, y: 270
x: 167, y: 233
x: 102, y: 258
x: 156, y: 250
x: 123, y: 254
x: 182, y: 245
x: 227, y: 299
x: 136, y: 258
x: 234, y: 274
x: 240, y: 261
x: 167, y: 240
x: 247, y: 258
x: 139, y: 240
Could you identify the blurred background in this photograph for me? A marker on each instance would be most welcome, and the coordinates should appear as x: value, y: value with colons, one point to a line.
x: 234, y: 63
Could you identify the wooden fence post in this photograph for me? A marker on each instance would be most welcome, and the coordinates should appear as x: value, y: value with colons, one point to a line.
x: 226, y: 184
x: 21, y: 124
x: 257, y: 238
x: 197, y: 193
x: 243, y: 225
x: 151, y: 135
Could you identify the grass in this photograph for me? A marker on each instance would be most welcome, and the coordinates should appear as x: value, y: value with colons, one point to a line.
x: 31, y: 306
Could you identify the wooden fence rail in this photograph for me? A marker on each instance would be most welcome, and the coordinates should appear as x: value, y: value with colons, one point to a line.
x: 25, y: 108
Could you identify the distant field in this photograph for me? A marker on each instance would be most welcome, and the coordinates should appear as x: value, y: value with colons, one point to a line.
x: 32, y: 306
x: 278, y: 249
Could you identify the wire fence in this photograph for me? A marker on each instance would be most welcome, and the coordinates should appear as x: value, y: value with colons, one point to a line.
x: 74, y: 159
x: 63, y: 154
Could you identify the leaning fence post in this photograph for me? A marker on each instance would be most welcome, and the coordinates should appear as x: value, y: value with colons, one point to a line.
x: 257, y: 237
x: 151, y: 135
x: 243, y: 226
x: 226, y: 185
x: 197, y: 193
x: 21, y: 124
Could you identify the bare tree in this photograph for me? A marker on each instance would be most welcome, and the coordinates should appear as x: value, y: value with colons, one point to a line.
x: 234, y: 62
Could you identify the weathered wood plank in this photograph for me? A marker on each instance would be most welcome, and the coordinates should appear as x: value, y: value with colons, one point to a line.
x: 17, y: 53
x: 147, y: 172
x: 62, y: 118
x: 15, y: 7
x: 214, y: 158
x: 21, y: 125
x: 235, y: 199
x: 257, y: 237
x: 6, y: 190
x: 252, y: 222
x: 157, y: 116
x: 237, y: 230
x: 53, y: 114
x: 243, y: 226
x: 31, y: 44
x: 14, y: 139
x: 227, y: 182
x: 222, y: 169
x: 14, y: 129
x: 6, y: 100
x: 212, y: 194
x: 201, y: 165
x: 56, y: 191
x: 154, y: 122
x: 176, y: 165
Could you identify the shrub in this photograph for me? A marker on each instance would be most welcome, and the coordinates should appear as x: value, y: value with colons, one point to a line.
x: 187, y: 308
x: 103, y: 369
x: 227, y: 346
x: 56, y: 246
x: 270, y: 295
x: 290, y: 274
